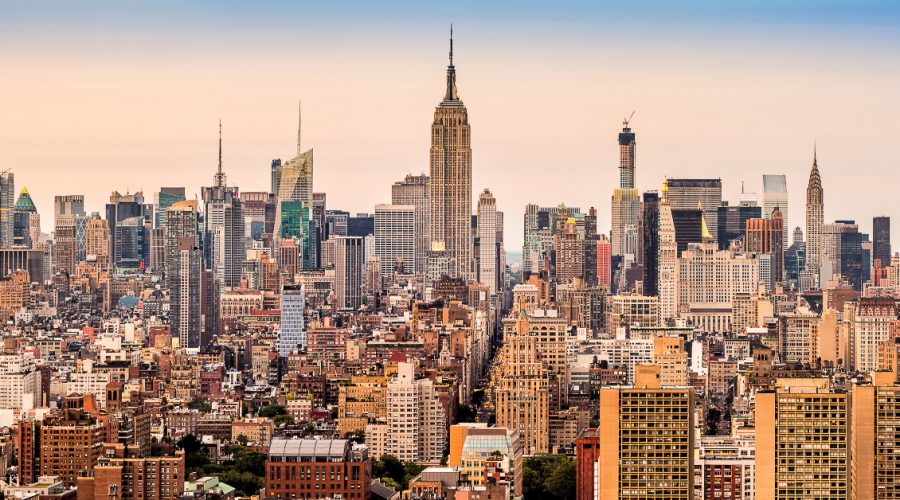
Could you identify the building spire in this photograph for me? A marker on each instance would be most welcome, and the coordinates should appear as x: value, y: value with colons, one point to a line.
x: 451, y: 94
x: 815, y: 154
x: 220, y: 176
x: 299, y: 124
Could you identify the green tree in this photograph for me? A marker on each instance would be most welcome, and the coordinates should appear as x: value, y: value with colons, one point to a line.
x: 270, y: 411
x: 242, y: 440
x: 252, y: 461
x: 357, y: 436
x: 549, y: 477
x: 200, y: 405
x: 465, y: 413
x: 245, y: 483
x: 189, y: 443
x: 283, y: 419
x: 390, y: 483
x: 389, y: 466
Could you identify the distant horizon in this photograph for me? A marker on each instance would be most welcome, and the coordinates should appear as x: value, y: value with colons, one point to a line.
x: 109, y: 98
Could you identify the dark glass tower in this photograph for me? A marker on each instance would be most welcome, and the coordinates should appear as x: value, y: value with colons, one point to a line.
x: 881, y: 240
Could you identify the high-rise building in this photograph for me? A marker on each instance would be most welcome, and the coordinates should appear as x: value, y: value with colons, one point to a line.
x: 667, y: 263
x: 649, y: 432
x: 871, y: 325
x: 130, y: 244
x: 26, y: 221
x: 71, y: 204
x: 802, y: 441
x: 294, y: 179
x: 649, y: 255
x: 258, y: 209
x: 881, y: 240
x: 415, y: 420
x: 604, y: 262
x: 874, y: 439
x: 688, y: 224
x: 164, y: 199
x: 64, y: 244
x: 523, y: 390
x: 349, y: 269
x: 707, y: 275
x: 450, y: 178
x: 489, y: 226
x: 292, y: 333
x: 122, y: 475
x: 395, y: 238
x: 223, y: 228
x: 120, y: 208
x: 97, y: 241
x: 569, y: 253
x: 413, y: 190
x: 703, y: 194
x: 626, y: 201
x: 185, y: 293
x: 842, y: 253
x: 7, y: 208
x: 775, y: 195
x: 765, y: 236
x: 815, y: 219
x: 733, y: 222
x: 71, y: 441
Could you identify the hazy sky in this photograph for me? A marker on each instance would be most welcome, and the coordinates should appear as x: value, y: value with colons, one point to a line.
x: 100, y: 96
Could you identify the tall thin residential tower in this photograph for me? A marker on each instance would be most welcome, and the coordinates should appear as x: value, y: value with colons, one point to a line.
x: 451, y: 178
x: 815, y: 219
x: 626, y: 203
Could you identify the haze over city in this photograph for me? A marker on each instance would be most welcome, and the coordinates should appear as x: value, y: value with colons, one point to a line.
x: 131, y: 95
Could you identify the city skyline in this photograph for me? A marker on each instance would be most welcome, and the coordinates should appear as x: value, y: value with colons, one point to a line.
x: 101, y: 118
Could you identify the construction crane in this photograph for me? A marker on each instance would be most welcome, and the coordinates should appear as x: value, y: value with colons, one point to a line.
x: 628, y: 120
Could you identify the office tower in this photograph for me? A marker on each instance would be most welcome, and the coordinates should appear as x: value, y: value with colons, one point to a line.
x: 648, y: 449
x: 295, y: 225
x: 294, y: 459
x: 7, y: 207
x: 131, y: 248
x: 688, y: 224
x: 815, y: 219
x: 223, y: 228
x: 72, y: 204
x: 626, y: 208
x: 415, y: 419
x: 569, y: 253
x: 71, y: 441
x: 182, y: 271
x: 841, y: 252
x: 64, y: 244
x: 395, y: 239
x: 589, y: 253
x: 336, y: 223
x: 764, y: 236
x: 361, y: 225
x: 707, y: 275
x: 292, y: 333
x: 881, y: 241
x: 873, y: 437
x: 348, y: 271
x: 164, y: 199
x: 450, y: 180
x: 871, y: 326
x: 690, y: 194
x: 649, y: 256
x: 522, y: 393
x: 295, y: 179
x: 775, y: 195
x: 258, y: 209
x: 604, y: 264
x: 733, y: 222
x: 98, y: 241
x: 275, y: 176
x: 185, y: 293
x: 26, y: 221
x: 489, y: 251
x: 802, y: 441
x: 120, y: 208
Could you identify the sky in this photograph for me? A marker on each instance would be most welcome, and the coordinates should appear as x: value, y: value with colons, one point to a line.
x: 102, y: 96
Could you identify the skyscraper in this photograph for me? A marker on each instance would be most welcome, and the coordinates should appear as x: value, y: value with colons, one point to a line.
x: 294, y: 179
x: 97, y: 241
x: 733, y: 221
x: 626, y: 202
x: 569, y: 253
x: 413, y: 190
x: 881, y: 240
x: 451, y: 178
x: 690, y: 194
x: 185, y: 293
x: 164, y: 199
x: 120, y: 208
x: 26, y: 221
x: 775, y: 195
x: 667, y: 262
x: 395, y: 238
x: 649, y: 257
x: 292, y: 332
x: 815, y: 219
x: 349, y: 262
x: 223, y: 228
x: 489, y: 259
x: 7, y: 208
x: 765, y: 236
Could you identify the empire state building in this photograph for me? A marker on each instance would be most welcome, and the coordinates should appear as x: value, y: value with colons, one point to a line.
x: 451, y: 179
